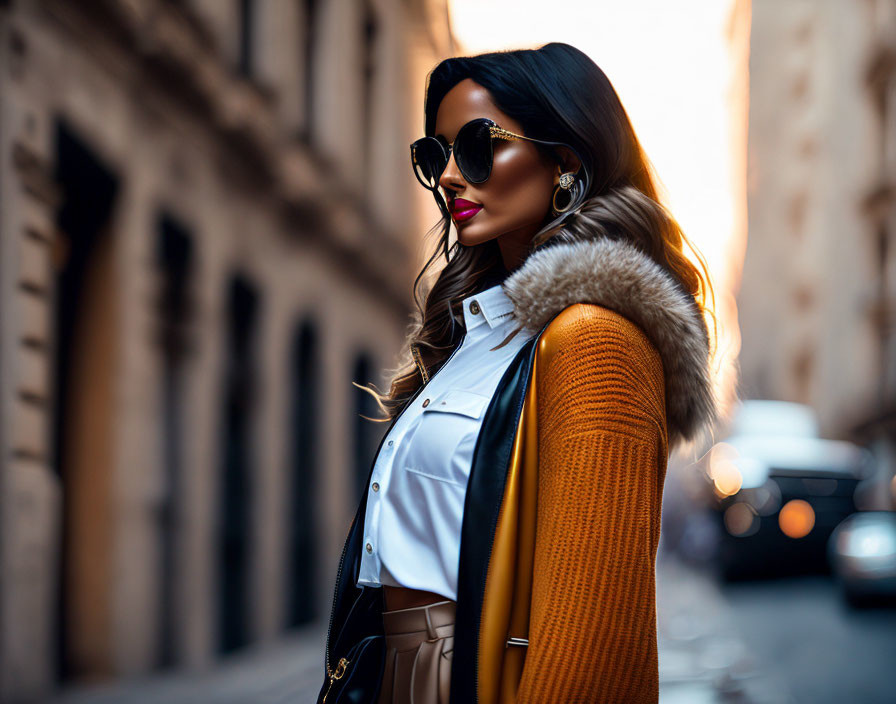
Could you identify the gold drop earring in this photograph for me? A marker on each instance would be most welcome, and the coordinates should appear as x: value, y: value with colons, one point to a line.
x: 566, y: 183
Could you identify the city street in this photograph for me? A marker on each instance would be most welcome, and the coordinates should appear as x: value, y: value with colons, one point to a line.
x: 809, y: 639
x: 753, y: 643
x: 239, y: 239
x: 702, y: 655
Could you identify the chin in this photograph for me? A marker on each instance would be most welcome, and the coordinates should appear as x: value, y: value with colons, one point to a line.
x: 470, y: 235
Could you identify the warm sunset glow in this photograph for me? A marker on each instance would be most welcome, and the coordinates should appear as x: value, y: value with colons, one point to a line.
x: 682, y: 82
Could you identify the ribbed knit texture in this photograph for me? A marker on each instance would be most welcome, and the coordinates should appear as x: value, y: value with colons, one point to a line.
x: 602, y: 464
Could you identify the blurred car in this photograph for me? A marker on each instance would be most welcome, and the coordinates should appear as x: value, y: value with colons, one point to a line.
x: 779, y: 490
x: 862, y: 554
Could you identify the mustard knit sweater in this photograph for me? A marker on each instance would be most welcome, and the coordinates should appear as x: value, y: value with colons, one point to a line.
x: 602, y: 463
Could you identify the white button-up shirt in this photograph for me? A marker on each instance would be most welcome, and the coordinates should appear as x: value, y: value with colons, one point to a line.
x: 415, y: 499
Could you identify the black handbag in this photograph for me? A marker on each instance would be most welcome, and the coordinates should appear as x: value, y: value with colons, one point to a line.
x: 356, y: 677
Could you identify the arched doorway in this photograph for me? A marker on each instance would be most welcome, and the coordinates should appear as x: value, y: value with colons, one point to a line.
x: 302, y: 433
x: 84, y: 355
x: 238, y: 461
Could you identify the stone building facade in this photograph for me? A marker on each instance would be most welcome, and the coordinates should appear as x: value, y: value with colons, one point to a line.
x: 817, y: 304
x: 208, y: 229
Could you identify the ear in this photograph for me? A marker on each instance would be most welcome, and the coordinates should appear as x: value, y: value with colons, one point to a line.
x: 567, y: 160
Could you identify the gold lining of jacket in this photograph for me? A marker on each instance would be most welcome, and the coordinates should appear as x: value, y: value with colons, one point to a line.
x: 508, y: 589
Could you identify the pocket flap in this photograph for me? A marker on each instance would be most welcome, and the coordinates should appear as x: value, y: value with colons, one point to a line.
x: 467, y: 403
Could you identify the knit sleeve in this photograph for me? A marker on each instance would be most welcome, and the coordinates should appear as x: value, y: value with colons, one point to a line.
x: 602, y: 463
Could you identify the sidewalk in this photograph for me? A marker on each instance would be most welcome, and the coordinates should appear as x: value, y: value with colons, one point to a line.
x: 286, y: 672
x: 702, y: 660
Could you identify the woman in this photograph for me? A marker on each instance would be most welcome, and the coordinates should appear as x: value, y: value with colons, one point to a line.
x: 504, y: 549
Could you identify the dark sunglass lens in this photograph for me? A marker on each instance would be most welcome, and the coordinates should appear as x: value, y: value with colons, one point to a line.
x: 429, y: 161
x: 473, y: 151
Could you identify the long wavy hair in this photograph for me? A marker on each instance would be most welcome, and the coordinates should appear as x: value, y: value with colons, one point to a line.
x: 558, y: 94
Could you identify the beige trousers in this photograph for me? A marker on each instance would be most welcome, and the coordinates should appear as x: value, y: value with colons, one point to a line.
x: 419, y: 649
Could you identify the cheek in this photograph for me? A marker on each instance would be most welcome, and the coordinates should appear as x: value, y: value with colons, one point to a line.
x: 519, y: 189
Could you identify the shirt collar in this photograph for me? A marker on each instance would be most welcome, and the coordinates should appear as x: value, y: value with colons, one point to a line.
x: 493, y: 306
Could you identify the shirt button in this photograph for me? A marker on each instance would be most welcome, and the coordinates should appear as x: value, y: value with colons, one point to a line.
x: 426, y: 403
x: 390, y: 442
x: 369, y: 547
x: 474, y: 308
x: 376, y: 487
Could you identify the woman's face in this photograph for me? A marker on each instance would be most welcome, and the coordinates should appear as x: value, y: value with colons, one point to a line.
x: 517, y: 196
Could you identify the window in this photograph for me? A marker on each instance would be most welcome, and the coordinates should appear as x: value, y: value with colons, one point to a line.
x: 309, y: 30
x: 246, y: 29
x: 369, y: 34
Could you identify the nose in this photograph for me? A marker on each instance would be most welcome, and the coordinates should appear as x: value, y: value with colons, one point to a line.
x: 451, y: 178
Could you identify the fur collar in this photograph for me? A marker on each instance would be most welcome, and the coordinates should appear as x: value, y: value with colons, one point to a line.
x: 617, y: 275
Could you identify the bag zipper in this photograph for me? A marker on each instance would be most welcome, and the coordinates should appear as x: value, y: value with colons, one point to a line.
x: 337, y: 675
x: 343, y: 662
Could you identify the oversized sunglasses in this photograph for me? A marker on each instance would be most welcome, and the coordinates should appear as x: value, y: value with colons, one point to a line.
x: 473, y: 152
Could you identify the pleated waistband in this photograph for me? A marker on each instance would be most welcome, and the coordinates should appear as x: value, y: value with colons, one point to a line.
x: 419, y: 654
x: 415, y: 619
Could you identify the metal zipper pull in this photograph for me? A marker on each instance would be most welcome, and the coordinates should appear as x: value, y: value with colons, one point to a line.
x: 340, y: 671
x: 517, y: 641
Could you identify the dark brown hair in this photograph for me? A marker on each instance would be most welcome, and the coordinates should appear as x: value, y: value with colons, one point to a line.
x: 558, y: 94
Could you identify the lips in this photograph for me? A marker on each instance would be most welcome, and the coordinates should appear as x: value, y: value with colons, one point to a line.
x: 463, y: 209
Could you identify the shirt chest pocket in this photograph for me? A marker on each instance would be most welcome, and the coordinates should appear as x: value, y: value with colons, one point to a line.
x: 440, y: 446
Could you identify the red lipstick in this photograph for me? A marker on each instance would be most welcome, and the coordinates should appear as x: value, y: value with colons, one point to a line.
x: 464, y: 209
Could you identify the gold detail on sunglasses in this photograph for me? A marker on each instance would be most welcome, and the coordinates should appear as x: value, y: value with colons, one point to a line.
x: 501, y: 133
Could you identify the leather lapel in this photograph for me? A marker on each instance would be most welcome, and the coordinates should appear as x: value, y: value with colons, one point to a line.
x: 485, y: 491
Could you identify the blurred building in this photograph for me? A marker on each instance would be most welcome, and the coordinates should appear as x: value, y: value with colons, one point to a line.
x: 817, y: 304
x: 208, y: 230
